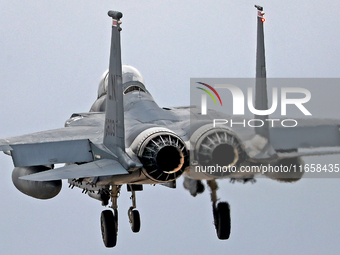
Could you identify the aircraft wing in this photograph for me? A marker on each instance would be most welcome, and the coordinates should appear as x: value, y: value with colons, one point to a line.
x: 310, y: 137
x: 64, y: 145
x: 101, y: 167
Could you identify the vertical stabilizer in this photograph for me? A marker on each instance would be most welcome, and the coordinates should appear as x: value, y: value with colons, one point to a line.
x: 261, y: 97
x: 114, y: 133
x: 114, y: 115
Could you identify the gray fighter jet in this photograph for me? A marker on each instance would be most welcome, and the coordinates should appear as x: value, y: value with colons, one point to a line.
x: 126, y: 138
x: 253, y: 148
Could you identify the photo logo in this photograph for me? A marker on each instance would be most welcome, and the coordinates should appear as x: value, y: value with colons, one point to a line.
x: 239, y: 99
x: 204, y: 97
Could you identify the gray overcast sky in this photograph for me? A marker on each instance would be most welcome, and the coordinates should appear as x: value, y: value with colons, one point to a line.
x: 52, y: 56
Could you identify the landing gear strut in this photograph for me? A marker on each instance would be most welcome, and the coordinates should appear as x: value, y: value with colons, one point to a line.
x: 133, y: 214
x: 109, y: 220
x: 221, y: 213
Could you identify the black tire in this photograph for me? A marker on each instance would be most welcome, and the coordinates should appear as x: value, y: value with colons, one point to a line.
x: 109, y: 228
x: 200, y: 187
x: 223, y: 225
x: 135, y: 221
x: 115, y: 214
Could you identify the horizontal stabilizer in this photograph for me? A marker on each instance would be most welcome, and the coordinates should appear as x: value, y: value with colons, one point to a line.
x: 308, y: 137
x: 101, y: 167
x: 5, y: 148
x: 309, y: 152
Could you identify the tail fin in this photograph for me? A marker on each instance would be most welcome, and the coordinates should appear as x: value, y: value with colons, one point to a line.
x: 114, y: 133
x: 114, y: 116
x: 261, y: 97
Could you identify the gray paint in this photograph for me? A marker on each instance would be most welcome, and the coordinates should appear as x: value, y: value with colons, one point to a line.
x: 261, y: 96
x: 305, y: 137
x: 35, y: 189
x: 139, y: 112
x: 98, y: 168
x: 51, y: 153
x: 114, y: 115
x: 287, y: 215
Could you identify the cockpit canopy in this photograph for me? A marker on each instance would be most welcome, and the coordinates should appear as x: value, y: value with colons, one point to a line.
x: 132, y: 81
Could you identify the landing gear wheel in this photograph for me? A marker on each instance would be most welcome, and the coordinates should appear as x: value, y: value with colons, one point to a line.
x: 135, y: 221
x: 108, y: 224
x: 200, y: 187
x: 222, y: 220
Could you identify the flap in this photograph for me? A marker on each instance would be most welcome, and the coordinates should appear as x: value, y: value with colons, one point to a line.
x: 101, y: 167
x: 51, y: 153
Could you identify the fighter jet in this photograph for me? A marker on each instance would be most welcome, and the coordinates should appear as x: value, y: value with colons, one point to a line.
x: 127, y: 139
x: 258, y: 147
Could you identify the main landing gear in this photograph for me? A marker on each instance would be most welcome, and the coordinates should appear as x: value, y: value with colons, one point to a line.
x: 221, y: 213
x: 109, y: 219
x: 133, y: 214
x: 109, y: 227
